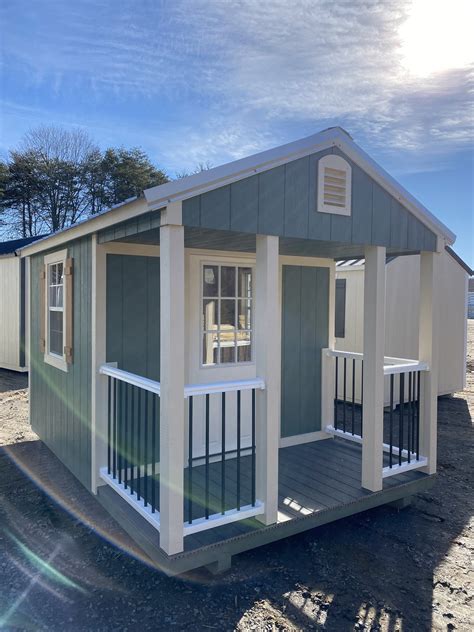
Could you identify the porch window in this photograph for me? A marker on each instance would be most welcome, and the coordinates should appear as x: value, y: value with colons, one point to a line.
x: 340, y: 311
x: 226, y: 314
x: 56, y: 308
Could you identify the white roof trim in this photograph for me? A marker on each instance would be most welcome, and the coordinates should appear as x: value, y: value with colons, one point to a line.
x: 160, y: 196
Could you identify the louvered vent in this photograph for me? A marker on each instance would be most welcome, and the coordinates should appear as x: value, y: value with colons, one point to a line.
x: 334, y: 185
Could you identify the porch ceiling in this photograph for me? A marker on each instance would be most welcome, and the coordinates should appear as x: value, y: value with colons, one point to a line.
x: 210, y: 239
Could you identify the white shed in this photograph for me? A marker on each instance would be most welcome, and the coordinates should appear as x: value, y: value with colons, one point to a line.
x: 13, y: 305
x: 402, y: 305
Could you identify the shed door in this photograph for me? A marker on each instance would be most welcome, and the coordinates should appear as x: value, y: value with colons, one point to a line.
x: 305, y: 305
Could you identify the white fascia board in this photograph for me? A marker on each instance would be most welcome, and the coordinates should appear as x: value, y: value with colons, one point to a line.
x: 373, y: 169
x: 120, y: 213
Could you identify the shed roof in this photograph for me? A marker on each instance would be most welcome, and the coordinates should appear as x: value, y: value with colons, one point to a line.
x: 10, y: 247
x: 160, y: 196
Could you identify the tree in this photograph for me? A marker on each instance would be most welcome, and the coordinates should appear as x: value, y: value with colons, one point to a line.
x: 59, y: 176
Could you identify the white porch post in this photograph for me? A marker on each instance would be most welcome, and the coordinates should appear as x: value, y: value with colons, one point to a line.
x: 373, y: 392
x: 99, y: 382
x: 268, y: 355
x: 172, y: 380
x: 428, y: 352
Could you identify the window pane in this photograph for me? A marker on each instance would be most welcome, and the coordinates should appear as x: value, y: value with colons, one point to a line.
x: 56, y: 274
x: 210, y: 348
x: 209, y: 314
x: 227, y: 281
x: 56, y: 332
x: 227, y: 347
x: 244, y: 347
x: 245, y: 282
x: 244, y: 320
x: 56, y: 296
x: 227, y: 313
x: 210, y: 281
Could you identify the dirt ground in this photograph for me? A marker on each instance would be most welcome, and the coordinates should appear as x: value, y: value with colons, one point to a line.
x: 380, y: 570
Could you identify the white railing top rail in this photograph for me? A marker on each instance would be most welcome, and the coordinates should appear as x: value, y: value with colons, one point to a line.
x: 190, y: 389
x: 130, y: 378
x: 223, y: 387
x: 391, y: 365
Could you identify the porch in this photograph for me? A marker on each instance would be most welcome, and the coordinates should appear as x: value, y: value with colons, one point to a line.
x: 318, y: 482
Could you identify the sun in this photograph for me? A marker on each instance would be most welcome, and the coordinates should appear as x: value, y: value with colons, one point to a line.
x: 437, y: 36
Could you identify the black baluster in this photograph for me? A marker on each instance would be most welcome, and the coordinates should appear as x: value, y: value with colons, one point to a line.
x: 344, y: 395
x: 125, y: 436
x: 418, y: 417
x: 238, y: 449
x: 401, y: 417
x: 353, y: 393
x: 132, y: 441
x: 114, y: 430
x: 145, y: 450
x: 254, y: 472
x: 391, y: 420
x: 109, y: 423
x: 409, y: 417
x: 361, y: 397
x: 223, y: 455
x: 153, y: 454
x: 207, y: 457
x: 335, y: 393
x: 190, y: 461
x: 119, y: 432
x: 139, y: 423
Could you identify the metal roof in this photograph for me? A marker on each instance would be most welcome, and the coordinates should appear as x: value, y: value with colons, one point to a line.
x: 9, y: 247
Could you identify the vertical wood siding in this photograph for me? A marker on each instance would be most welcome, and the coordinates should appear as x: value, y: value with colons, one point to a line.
x: 10, y: 283
x: 133, y: 314
x: 305, y: 305
x: 61, y: 402
x: 282, y: 201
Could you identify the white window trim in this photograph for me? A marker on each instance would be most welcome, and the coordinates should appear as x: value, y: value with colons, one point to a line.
x: 333, y: 161
x: 59, y: 362
x: 195, y: 372
x: 218, y: 262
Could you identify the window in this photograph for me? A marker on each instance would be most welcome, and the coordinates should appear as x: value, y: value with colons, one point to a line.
x: 56, y: 336
x: 340, y: 311
x: 56, y: 308
x: 226, y: 314
x: 334, y: 185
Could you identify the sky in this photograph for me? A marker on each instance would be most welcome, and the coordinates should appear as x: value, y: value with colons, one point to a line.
x: 208, y: 81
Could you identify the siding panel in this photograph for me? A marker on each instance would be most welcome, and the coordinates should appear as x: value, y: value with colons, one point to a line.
x: 61, y: 402
x: 271, y: 201
x: 381, y: 216
x: 297, y: 198
x: 244, y: 205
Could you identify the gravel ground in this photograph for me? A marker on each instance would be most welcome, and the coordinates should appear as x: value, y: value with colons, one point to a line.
x: 380, y: 570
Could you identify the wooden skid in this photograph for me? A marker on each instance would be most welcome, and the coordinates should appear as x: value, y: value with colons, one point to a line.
x: 318, y: 483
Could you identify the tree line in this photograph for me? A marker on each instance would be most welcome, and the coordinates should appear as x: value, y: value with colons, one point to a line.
x: 58, y: 177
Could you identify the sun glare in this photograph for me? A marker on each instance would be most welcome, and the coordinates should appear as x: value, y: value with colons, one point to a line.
x: 437, y: 36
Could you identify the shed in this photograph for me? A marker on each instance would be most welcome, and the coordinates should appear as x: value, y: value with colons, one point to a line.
x: 402, y: 304
x: 184, y: 363
x: 13, y: 305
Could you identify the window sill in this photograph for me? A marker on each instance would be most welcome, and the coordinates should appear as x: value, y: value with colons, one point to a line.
x: 57, y: 362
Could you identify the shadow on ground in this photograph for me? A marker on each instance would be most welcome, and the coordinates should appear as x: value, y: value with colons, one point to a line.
x: 382, y: 570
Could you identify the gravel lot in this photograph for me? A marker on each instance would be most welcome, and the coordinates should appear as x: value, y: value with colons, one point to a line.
x: 380, y: 570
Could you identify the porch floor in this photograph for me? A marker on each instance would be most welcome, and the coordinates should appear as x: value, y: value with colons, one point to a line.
x: 319, y: 482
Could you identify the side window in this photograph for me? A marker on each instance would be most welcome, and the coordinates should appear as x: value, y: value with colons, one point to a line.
x: 340, y: 311
x: 56, y: 309
x: 226, y: 314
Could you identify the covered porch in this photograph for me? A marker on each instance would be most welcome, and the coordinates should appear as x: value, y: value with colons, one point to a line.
x: 246, y: 480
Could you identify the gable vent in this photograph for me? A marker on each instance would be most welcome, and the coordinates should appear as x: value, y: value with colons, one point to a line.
x: 334, y: 185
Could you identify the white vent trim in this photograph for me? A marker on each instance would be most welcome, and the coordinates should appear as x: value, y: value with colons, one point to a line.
x: 334, y: 185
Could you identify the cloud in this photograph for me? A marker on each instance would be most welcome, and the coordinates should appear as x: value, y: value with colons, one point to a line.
x: 241, y: 76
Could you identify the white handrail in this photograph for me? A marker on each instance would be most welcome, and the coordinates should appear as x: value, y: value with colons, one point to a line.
x: 223, y: 387
x: 392, y: 365
x: 406, y: 367
x: 130, y: 378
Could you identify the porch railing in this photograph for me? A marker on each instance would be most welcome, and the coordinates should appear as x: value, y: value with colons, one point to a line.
x: 220, y: 470
x: 401, y: 418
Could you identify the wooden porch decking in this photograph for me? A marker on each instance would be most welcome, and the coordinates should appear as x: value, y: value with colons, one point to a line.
x: 319, y: 482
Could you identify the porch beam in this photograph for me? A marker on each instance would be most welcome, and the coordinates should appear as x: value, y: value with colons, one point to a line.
x: 172, y: 420
x: 429, y: 353
x: 268, y: 365
x: 373, y: 389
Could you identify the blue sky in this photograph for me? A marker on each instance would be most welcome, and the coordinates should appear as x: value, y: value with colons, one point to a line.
x: 204, y: 80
